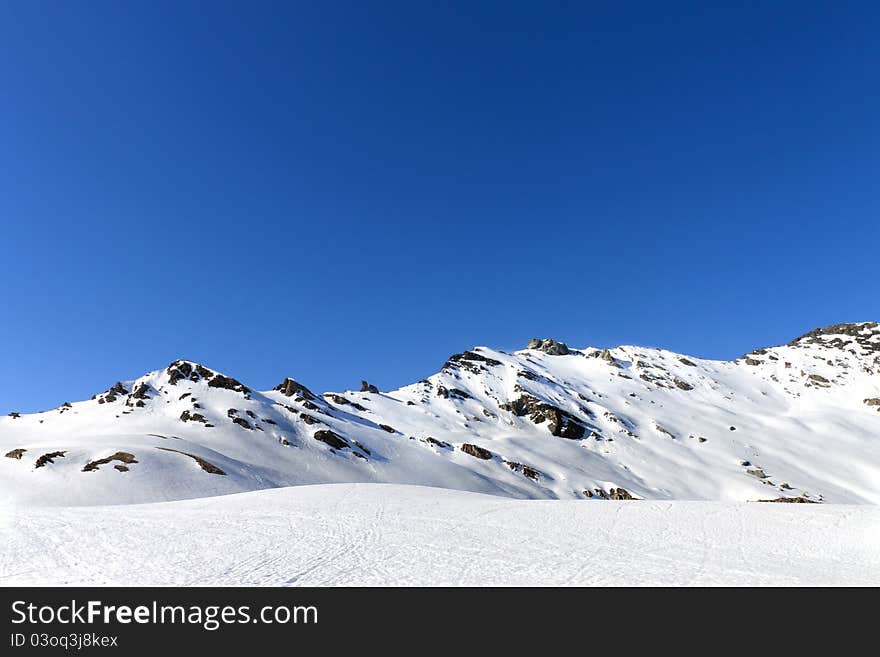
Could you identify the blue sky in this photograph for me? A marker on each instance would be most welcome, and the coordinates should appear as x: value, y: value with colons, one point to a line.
x: 347, y: 190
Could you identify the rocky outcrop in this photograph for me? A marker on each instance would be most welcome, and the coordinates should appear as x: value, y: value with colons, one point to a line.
x: 339, y: 400
x: 455, y: 393
x: 470, y: 361
x: 366, y: 387
x: 331, y: 438
x: 189, y: 416
x: 48, y: 458
x: 244, y: 424
x: 561, y: 423
x: 112, y: 394
x: 548, y: 346
x: 16, y: 453
x: 203, y: 464
x: 476, y: 451
x: 181, y: 369
x: 864, y: 337
x: 124, y: 459
x: 524, y: 470
x: 290, y: 388
x: 790, y: 500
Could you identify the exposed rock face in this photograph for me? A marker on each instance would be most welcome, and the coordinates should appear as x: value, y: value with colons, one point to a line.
x: 874, y: 401
x: 112, y: 394
x: 203, y: 464
x: 291, y: 388
x: 561, y: 423
x: 548, y: 346
x: 682, y: 385
x: 620, y: 494
x: 470, y: 361
x: 446, y: 393
x: 181, y: 369
x: 122, y: 457
x: 477, y: 452
x: 240, y: 421
x: 48, y: 458
x: 331, y: 438
x: 16, y: 453
x: 388, y: 428
x: 524, y: 469
x: 188, y: 416
x: 339, y: 400
x: 790, y: 500
x: 366, y: 387
x: 686, y: 361
x: 220, y: 381
x: 864, y: 337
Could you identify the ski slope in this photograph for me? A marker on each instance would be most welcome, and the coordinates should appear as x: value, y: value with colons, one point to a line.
x: 373, y: 534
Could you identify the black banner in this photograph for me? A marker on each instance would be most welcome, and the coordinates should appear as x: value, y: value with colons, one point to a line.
x: 136, y: 621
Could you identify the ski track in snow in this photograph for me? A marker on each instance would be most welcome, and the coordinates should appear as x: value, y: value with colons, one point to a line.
x: 379, y: 534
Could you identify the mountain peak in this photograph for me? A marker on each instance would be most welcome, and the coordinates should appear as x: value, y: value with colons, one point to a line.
x: 195, y: 372
x: 861, y: 336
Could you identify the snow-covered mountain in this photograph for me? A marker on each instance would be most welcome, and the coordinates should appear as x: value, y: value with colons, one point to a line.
x: 799, y: 421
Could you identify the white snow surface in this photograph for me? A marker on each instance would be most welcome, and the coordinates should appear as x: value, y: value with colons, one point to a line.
x: 800, y: 420
x: 374, y: 534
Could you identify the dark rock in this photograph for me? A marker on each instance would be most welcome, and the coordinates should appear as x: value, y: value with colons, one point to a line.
x: 15, y: 416
x: 227, y: 383
x: 362, y: 448
x: 685, y: 361
x: 122, y: 457
x: 16, y: 453
x: 188, y: 416
x: 366, y: 387
x: 470, y: 361
x: 476, y: 451
x: 140, y: 391
x: 48, y: 458
x: 548, y: 346
x: 438, y: 443
x: 446, y: 393
x: 683, y: 385
x: 790, y: 500
x: 112, y: 394
x: 561, y: 423
x: 620, y: 494
x: 388, y: 428
x: 289, y: 388
x: 524, y: 469
x: 203, y: 464
x: 331, y: 438
x: 240, y: 421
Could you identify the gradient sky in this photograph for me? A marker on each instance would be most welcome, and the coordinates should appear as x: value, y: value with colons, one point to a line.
x: 346, y: 190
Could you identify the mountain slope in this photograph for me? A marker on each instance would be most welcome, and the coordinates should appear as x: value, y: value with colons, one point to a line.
x: 797, y: 421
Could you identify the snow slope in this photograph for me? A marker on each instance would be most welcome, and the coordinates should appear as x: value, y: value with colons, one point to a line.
x: 548, y: 422
x: 357, y: 534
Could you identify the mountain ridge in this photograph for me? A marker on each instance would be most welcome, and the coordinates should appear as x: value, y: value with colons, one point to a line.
x: 792, y: 422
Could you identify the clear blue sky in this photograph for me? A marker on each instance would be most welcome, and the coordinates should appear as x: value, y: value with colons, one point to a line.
x: 340, y: 190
